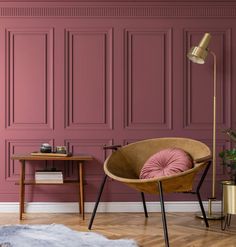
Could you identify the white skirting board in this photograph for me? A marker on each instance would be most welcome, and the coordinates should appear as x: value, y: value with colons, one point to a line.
x: 106, y: 207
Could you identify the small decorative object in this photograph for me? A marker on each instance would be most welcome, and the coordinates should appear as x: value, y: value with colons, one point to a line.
x: 46, y: 148
x: 61, y: 149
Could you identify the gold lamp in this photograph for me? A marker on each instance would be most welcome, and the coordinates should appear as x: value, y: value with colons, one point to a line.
x: 198, y: 54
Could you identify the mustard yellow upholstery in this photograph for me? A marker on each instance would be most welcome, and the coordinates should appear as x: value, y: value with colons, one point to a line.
x: 125, y: 164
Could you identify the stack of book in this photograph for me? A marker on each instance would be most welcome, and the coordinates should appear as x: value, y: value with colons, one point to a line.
x: 47, y: 177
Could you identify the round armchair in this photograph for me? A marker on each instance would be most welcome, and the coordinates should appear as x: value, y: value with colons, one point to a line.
x: 125, y: 164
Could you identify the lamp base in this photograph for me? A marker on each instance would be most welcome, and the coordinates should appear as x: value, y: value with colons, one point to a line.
x: 209, y: 214
x: 212, y: 216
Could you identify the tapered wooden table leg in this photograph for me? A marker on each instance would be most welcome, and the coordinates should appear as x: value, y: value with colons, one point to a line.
x: 81, y: 188
x: 79, y: 197
x: 22, y: 188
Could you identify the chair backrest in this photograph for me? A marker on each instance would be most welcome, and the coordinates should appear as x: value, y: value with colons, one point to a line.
x: 128, y: 161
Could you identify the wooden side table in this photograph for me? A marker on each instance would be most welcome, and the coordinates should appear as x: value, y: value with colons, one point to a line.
x: 80, y: 159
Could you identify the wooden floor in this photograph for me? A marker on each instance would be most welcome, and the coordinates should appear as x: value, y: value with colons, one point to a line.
x: 184, y: 229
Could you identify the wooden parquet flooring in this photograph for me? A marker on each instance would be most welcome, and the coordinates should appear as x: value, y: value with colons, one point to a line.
x: 184, y: 229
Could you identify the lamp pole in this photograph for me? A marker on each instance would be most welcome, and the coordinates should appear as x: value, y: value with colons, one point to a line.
x: 213, y: 197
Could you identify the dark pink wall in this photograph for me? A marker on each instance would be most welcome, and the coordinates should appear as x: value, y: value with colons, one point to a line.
x: 85, y: 75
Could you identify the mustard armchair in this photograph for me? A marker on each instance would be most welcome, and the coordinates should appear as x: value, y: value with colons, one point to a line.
x: 125, y: 163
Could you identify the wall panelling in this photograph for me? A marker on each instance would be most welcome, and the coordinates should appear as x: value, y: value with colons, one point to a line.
x: 85, y: 75
x: 29, y: 78
x: 89, y: 75
x: 148, y: 79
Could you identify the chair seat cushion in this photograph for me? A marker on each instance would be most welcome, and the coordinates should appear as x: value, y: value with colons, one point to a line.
x: 166, y: 162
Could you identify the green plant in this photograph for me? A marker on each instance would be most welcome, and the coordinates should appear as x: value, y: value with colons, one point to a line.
x: 228, y: 156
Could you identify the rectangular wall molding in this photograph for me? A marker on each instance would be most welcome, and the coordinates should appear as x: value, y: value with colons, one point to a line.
x: 94, y: 147
x: 29, y: 81
x: 12, y: 167
x: 148, y: 91
x: 89, y: 73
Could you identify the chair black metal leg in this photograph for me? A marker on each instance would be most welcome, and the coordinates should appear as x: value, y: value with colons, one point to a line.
x: 144, y: 205
x: 198, y: 193
x: 163, y: 214
x: 202, y: 209
x: 97, y: 202
x: 203, y: 176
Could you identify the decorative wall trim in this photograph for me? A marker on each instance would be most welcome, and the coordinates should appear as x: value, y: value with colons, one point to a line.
x: 162, y: 107
x: 102, y: 117
x: 46, y: 110
x: 193, y: 10
x: 81, y: 144
x: 15, y: 146
x: 105, y: 207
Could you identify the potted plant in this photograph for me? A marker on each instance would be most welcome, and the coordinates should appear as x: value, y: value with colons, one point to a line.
x: 228, y: 156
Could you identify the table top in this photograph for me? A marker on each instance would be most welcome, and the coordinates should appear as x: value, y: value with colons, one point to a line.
x: 79, y: 157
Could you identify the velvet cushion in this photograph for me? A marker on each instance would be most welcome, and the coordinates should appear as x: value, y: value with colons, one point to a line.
x: 166, y: 162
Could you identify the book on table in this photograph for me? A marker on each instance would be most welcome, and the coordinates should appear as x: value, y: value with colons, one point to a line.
x: 52, y: 154
x: 49, y: 177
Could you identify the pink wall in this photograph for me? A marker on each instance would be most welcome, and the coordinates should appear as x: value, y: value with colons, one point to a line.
x: 84, y: 75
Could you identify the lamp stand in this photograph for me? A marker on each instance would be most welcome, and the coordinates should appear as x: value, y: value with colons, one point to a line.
x: 209, y: 214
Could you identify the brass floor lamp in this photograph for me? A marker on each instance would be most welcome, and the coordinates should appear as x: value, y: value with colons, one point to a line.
x: 198, y: 54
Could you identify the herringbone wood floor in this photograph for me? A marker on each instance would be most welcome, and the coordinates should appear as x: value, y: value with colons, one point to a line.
x: 184, y: 229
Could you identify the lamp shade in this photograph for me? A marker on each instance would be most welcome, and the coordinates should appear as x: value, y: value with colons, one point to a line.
x: 198, y: 54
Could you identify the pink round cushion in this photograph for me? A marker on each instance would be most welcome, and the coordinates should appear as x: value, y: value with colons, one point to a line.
x: 166, y: 162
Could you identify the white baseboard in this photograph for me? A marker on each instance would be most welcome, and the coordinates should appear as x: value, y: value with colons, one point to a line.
x: 106, y: 207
